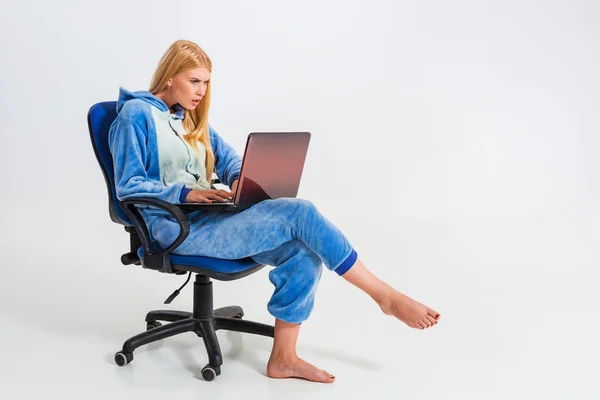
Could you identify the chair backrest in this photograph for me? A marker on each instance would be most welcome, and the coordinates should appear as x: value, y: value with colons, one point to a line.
x: 100, y: 117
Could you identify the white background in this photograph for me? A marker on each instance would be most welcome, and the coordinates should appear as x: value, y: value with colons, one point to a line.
x: 454, y: 142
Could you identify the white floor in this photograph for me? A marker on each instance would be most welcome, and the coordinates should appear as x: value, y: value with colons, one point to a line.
x: 518, y: 303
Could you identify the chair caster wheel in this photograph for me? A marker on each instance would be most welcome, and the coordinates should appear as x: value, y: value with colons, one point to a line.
x: 123, y: 358
x: 152, y: 325
x: 209, y: 372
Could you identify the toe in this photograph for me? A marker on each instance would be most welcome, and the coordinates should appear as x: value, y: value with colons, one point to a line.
x: 434, y: 314
x: 325, y: 376
x: 431, y: 320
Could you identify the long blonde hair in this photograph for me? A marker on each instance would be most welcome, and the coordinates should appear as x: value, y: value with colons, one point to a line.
x: 184, y: 55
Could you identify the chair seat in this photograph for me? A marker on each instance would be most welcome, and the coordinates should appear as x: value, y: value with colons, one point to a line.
x: 217, y: 268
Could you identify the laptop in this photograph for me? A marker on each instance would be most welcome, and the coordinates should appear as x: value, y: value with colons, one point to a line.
x: 271, y: 168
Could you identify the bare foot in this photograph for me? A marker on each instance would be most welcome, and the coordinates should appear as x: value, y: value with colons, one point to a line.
x: 295, y: 367
x: 407, y: 310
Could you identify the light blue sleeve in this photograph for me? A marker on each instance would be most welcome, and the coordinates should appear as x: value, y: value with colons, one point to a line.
x: 135, y: 159
x: 227, y: 162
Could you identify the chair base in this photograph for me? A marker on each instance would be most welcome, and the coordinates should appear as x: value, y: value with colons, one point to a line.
x: 204, y: 321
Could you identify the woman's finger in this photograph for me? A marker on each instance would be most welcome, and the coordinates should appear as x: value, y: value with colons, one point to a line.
x: 224, y: 194
x: 217, y: 197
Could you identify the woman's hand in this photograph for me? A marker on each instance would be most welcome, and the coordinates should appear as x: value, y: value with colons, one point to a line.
x: 207, y: 196
x: 234, y: 186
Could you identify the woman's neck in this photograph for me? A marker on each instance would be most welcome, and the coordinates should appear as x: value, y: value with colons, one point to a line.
x: 163, y: 96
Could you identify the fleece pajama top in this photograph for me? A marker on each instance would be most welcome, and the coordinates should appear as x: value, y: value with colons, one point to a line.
x: 151, y: 159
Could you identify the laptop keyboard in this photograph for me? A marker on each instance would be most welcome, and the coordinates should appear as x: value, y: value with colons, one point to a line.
x: 222, y: 202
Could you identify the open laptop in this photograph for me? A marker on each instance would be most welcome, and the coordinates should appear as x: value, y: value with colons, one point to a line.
x: 271, y: 168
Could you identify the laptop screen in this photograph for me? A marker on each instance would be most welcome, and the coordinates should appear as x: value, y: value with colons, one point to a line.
x: 272, y: 166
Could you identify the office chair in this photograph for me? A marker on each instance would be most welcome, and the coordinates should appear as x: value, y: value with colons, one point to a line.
x: 203, y: 320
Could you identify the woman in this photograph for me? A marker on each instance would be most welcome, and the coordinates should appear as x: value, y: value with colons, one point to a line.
x: 163, y: 147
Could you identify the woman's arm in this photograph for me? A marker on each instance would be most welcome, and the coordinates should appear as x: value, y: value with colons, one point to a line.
x: 135, y: 160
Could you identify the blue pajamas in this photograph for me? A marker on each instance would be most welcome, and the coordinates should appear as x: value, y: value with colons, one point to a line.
x: 289, y: 234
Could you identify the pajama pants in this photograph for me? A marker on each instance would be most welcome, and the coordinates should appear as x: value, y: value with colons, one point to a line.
x: 287, y: 233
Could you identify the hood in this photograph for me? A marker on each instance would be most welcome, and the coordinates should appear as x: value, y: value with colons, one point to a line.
x: 144, y: 95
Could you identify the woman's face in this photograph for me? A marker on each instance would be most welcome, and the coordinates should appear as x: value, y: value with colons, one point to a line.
x: 189, y: 87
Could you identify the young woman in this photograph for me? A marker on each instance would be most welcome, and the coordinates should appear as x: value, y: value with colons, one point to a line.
x: 163, y: 147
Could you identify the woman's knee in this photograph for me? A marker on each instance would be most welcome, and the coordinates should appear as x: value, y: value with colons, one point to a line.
x: 296, y: 209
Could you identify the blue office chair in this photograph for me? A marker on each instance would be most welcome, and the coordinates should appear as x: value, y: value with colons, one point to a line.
x: 203, y: 320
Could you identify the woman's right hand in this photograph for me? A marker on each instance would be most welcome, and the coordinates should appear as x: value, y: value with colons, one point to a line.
x: 206, y: 196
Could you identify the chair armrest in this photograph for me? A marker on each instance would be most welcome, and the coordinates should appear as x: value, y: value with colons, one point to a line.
x: 157, y: 259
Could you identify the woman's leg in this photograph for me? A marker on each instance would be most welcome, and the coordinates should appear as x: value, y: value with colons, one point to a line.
x: 284, y: 363
x: 263, y: 227
x: 267, y: 226
x: 271, y: 223
x: 295, y: 277
x: 391, y: 301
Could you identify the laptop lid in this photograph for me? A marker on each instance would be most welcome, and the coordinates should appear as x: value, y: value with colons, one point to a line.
x: 272, y: 166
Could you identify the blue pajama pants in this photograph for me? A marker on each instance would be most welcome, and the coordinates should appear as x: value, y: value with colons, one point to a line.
x: 287, y: 233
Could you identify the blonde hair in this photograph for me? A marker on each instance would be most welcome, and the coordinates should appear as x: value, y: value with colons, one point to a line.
x: 181, y: 56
